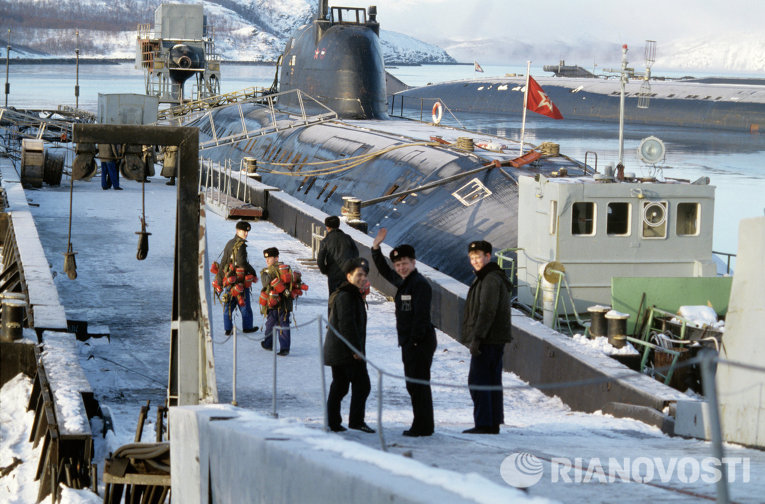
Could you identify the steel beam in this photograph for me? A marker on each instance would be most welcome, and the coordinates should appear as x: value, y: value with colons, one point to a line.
x: 185, y: 358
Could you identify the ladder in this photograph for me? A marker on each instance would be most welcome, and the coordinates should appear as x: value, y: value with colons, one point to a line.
x: 289, y: 121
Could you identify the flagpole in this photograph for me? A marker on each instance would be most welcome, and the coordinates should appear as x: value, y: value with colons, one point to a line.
x: 525, y: 104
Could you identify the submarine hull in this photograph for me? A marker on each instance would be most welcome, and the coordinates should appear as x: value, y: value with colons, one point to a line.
x: 439, y: 222
x: 735, y: 107
x: 344, y: 70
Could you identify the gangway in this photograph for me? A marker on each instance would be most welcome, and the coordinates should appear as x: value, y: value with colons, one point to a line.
x: 186, y: 110
x: 31, y: 124
x: 291, y: 121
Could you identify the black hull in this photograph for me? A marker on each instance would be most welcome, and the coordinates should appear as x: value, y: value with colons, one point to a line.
x: 434, y: 221
x: 681, y: 104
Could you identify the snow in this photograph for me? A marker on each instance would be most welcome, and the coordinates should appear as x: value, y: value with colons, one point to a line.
x: 601, y: 344
x: 700, y: 316
x: 245, y: 30
x: 134, y: 299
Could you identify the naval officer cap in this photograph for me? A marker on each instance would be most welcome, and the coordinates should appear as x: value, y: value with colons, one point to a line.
x: 401, y: 252
x: 271, y: 252
x: 480, y: 246
x: 243, y: 225
x: 357, y: 262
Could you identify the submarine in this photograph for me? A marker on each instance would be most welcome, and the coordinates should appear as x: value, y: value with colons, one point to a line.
x: 409, y: 177
x: 438, y: 188
x: 720, y: 104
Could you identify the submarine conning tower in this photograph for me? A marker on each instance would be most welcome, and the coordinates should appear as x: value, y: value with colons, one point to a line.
x: 337, y: 59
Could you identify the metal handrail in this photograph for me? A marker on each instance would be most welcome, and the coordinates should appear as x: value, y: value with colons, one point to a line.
x: 729, y: 255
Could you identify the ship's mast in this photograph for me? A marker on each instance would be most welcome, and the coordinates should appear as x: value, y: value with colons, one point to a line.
x: 623, y: 79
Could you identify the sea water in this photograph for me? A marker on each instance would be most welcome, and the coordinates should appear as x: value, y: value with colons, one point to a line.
x: 733, y: 161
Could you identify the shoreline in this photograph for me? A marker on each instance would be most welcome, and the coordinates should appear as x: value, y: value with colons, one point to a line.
x: 118, y: 61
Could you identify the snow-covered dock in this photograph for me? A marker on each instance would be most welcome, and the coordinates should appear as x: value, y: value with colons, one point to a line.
x: 134, y: 299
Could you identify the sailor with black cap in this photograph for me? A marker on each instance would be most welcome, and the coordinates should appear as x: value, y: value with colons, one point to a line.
x: 348, y: 316
x: 235, y: 256
x: 336, y: 248
x: 486, y: 330
x: 278, y: 315
x: 416, y: 335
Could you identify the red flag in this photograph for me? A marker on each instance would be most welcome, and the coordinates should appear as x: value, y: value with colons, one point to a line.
x: 477, y: 67
x: 538, y: 101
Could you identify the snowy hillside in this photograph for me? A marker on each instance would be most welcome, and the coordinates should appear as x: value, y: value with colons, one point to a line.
x: 245, y: 30
x: 742, y: 53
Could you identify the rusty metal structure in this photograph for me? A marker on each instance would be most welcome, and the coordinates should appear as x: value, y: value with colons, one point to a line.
x: 180, y: 46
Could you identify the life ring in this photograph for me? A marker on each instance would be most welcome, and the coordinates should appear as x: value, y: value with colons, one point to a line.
x: 438, y: 112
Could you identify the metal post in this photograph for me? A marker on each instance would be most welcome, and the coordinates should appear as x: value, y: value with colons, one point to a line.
x: 273, y: 353
x: 233, y: 399
x: 525, y: 106
x: 77, y: 72
x: 323, y: 378
x: 379, y: 409
x: 710, y: 393
x: 623, y: 79
x: 7, y: 63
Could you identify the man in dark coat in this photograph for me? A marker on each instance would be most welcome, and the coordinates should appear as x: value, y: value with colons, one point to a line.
x: 348, y: 316
x: 110, y: 174
x: 416, y: 335
x: 279, y: 315
x: 335, y: 249
x: 486, y: 330
x: 235, y: 256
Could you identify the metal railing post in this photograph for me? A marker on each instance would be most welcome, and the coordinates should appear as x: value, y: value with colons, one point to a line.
x: 323, y: 378
x: 379, y: 409
x: 233, y: 399
x: 710, y: 392
x: 273, y: 353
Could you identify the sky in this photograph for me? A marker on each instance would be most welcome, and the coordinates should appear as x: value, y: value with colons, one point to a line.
x: 543, y: 20
x: 583, y: 31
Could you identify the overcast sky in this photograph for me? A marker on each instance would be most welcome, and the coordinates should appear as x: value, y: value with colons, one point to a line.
x: 568, y: 20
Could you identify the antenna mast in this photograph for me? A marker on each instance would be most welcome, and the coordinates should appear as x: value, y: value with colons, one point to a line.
x: 644, y: 95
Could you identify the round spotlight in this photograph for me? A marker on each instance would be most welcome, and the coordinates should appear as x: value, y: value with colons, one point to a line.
x: 651, y: 150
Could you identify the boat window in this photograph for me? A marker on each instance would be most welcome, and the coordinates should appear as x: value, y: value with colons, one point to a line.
x: 553, y: 217
x: 688, y: 219
x: 654, y: 219
x: 618, y: 219
x: 583, y: 218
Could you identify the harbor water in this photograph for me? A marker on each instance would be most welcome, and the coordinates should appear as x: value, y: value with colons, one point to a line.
x: 733, y: 161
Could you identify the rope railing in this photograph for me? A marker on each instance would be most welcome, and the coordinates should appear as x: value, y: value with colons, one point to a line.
x: 707, y: 361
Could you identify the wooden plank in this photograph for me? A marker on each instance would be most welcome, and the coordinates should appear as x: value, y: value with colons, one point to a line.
x: 138, y: 479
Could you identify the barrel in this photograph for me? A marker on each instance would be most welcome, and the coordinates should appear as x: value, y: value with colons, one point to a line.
x: 13, y: 319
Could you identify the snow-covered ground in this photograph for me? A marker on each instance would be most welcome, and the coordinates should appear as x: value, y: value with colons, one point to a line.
x: 134, y: 299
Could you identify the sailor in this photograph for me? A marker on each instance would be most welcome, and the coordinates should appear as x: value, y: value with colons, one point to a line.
x: 335, y: 249
x: 486, y: 330
x: 348, y: 316
x: 110, y: 175
x: 277, y: 312
x: 234, y: 264
x: 416, y: 335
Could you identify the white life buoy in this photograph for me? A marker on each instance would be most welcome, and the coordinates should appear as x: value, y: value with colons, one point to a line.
x: 438, y: 112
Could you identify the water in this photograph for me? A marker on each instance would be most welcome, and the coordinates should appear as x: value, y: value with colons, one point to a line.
x: 733, y: 161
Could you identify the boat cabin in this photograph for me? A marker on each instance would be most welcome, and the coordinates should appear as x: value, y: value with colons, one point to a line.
x: 595, y: 228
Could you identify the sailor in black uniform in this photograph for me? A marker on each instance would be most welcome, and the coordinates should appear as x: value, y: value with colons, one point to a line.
x: 416, y: 335
x: 335, y: 249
